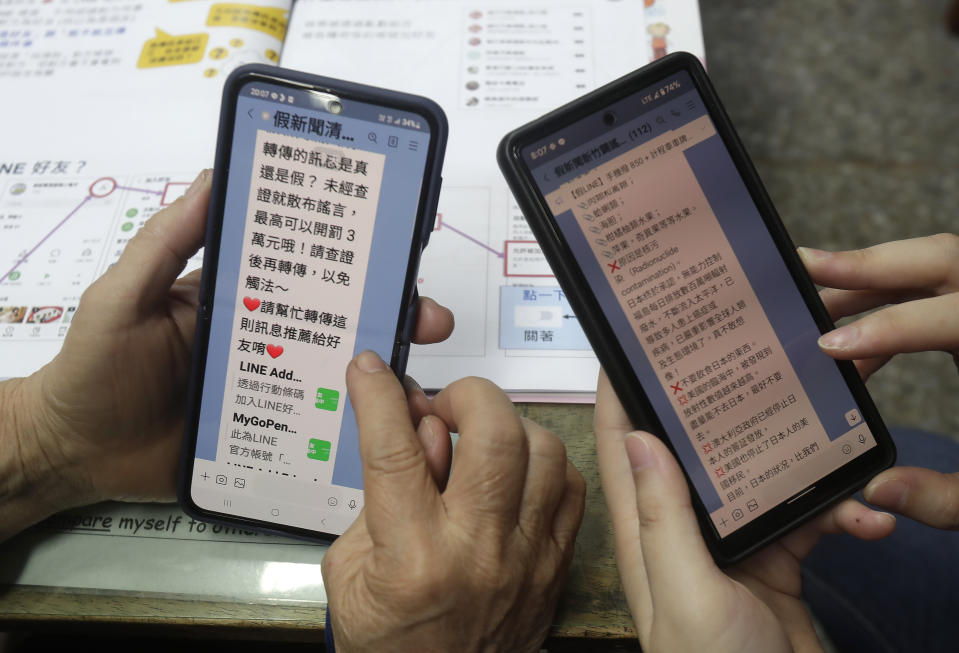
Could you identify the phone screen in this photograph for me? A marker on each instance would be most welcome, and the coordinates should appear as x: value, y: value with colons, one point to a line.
x: 320, y: 210
x: 666, y: 233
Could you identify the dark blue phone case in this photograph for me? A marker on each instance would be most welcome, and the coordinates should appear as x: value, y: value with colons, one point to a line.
x: 406, y: 320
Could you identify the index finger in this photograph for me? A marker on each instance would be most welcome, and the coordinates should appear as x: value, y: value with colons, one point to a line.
x: 926, y: 495
x: 610, y: 425
x: 492, y: 455
x: 434, y: 322
x: 398, y: 488
x: 928, y: 263
x: 849, y: 517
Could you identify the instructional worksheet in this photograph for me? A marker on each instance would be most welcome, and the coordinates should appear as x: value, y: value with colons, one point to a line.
x: 111, y: 109
x: 492, y: 65
x: 124, y: 103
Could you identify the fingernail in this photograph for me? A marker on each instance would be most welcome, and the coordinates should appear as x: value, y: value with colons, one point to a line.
x: 368, y: 361
x: 811, y: 254
x: 638, y: 451
x: 888, y: 494
x: 412, y: 386
x: 427, y: 424
x: 199, y: 182
x: 841, y: 338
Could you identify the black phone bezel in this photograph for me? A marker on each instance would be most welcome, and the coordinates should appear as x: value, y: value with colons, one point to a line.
x: 434, y: 116
x: 806, y: 503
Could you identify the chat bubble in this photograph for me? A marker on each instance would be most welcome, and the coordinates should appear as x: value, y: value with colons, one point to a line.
x: 169, y: 50
x: 263, y: 19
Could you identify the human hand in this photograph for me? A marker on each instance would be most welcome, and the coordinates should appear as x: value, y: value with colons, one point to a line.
x: 477, y: 566
x: 917, y: 281
x: 104, y: 419
x: 680, y: 600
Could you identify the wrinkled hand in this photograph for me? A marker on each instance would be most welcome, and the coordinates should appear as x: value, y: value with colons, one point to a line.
x: 109, y: 408
x: 917, y: 281
x: 477, y: 566
x: 680, y: 600
x: 112, y: 401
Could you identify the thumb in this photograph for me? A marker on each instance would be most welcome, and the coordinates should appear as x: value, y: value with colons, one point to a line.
x: 674, y: 552
x: 154, y: 258
x: 921, y: 494
x: 399, y: 490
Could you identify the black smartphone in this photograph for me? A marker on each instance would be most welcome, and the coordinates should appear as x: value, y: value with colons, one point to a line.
x: 695, y: 301
x: 324, y: 196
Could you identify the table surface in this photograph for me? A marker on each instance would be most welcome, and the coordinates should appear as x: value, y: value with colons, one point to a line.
x: 593, y: 605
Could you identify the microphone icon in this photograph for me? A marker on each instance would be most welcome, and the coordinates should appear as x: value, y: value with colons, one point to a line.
x: 862, y: 439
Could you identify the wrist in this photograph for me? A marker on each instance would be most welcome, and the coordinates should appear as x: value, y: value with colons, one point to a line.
x: 34, y: 472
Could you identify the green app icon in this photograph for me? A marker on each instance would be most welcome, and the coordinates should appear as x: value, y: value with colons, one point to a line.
x: 318, y: 449
x: 327, y: 399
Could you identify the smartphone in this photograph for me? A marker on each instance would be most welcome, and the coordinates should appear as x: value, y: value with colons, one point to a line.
x: 695, y: 301
x: 324, y: 196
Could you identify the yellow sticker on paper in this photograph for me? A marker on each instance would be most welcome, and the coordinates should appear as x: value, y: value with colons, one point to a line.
x: 168, y: 50
x: 263, y: 19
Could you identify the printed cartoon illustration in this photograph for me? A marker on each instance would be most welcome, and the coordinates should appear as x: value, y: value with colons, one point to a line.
x: 658, y: 31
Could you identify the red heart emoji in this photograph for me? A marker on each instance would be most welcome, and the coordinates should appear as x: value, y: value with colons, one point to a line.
x: 274, y: 350
x: 251, y: 303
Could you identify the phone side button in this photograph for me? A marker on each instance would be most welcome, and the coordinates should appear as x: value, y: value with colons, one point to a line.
x: 428, y: 228
x: 402, y: 357
x: 411, y: 314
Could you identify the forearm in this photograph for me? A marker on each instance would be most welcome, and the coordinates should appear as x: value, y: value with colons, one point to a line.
x: 30, y: 478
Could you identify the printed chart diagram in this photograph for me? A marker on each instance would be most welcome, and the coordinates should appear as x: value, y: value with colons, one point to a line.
x: 57, y: 235
x: 503, y: 293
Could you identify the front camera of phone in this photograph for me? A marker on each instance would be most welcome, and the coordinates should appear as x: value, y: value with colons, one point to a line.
x: 609, y: 118
x: 335, y: 107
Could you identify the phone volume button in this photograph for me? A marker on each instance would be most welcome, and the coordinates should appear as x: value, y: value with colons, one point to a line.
x: 429, y: 227
x: 402, y: 358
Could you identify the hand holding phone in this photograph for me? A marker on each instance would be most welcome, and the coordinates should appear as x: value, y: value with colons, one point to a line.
x: 77, y: 443
x: 475, y: 563
x: 915, y: 285
x: 680, y: 600
x: 694, y: 300
x: 323, y: 199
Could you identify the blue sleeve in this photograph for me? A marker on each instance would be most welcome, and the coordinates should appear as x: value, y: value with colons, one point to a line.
x: 897, y: 594
x: 328, y: 633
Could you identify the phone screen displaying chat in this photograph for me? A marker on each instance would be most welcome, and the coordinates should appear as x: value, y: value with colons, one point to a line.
x: 666, y: 233
x: 319, y: 216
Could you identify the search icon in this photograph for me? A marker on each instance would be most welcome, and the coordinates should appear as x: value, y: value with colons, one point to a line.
x: 372, y: 136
